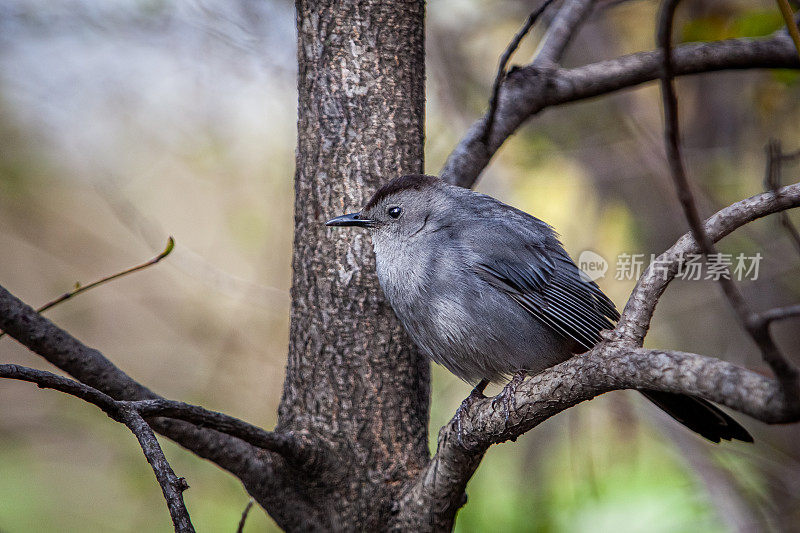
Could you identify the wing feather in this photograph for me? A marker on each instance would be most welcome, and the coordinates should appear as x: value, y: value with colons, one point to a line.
x: 537, y: 273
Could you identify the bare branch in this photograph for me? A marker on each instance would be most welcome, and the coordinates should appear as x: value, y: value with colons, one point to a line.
x: 301, y: 450
x: 791, y: 25
x: 561, y: 31
x: 528, y: 90
x: 609, y: 366
x: 171, y: 485
x: 230, y: 443
x: 81, y: 288
x: 779, y: 313
x: 672, y: 139
x: 772, y: 181
x: 501, y: 68
x: 635, y: 321
x: 786, y: 372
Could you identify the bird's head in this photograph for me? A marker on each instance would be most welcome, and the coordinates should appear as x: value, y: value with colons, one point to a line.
x: 403, y: 207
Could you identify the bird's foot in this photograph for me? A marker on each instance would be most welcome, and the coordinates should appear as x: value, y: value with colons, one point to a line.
x: 508, y: 395
x: 463, y: 409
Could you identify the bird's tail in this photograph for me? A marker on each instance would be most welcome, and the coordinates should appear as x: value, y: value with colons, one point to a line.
x: 699, y: 415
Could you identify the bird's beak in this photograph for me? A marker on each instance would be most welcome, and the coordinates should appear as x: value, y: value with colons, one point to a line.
x: 350, y: 219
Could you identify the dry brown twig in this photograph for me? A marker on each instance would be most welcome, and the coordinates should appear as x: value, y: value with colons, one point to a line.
x: 504, y: 58
x: 245, y: 514
x: 82, y: 288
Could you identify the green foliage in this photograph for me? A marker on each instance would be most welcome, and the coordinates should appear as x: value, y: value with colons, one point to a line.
x: 753, y: 23
x: 604, y: 482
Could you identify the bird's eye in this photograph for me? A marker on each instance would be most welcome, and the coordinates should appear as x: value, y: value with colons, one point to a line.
x: 394, y: 211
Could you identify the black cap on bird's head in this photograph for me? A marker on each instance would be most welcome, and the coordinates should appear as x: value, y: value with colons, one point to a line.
x: 394, y: 187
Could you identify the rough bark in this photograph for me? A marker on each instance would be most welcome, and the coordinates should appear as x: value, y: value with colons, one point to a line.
x: 352, y: 378
x: 350, y: 450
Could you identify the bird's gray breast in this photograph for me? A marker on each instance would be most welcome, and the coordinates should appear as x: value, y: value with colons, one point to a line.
x: 455, y: 317
x: 432, y: 313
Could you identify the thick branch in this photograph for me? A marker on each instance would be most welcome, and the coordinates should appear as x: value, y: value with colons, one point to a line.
x: 528, y: 90
x: 230, y: 443
x: 609, y: 366
x: 431, y: 500
x: 171, y: 485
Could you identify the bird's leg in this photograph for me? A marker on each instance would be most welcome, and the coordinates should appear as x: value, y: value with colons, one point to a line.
x: 508, y: 394
x: 475, y: 395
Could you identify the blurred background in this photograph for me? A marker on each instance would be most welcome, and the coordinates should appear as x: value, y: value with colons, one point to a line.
x: 124, y: 122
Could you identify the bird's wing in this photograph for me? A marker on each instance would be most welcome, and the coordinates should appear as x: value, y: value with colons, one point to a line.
x: 539, y: 275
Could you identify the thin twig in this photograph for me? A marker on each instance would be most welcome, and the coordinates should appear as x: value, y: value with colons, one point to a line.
x: 82, y: 288
x: 779, y: 313
x: 171, y: 485
x: 501, y: 68
x: 246, y: 512
x: 773, y: 181
x: 786, y: 373
x: 791, y: 25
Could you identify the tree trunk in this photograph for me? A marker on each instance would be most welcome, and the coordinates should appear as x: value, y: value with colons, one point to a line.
x: 353, y: 379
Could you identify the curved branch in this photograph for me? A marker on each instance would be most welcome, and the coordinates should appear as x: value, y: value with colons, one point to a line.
x: 772, y: 181
x: 171, y: 485
x: 561, y: 31
x: 609, y: 366
x: 784, y: 370
x: 528, y: 90
x: 635, y: 320
x: 230, y: 443
x: 778, y: 313
x: 299, y: 449
x: 83, y: 288
x: 501, y: 68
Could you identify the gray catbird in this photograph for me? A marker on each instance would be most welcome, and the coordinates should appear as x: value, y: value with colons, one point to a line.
x: 489, y: 292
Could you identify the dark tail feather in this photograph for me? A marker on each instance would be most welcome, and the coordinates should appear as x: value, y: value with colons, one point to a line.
x: 699, y: 415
